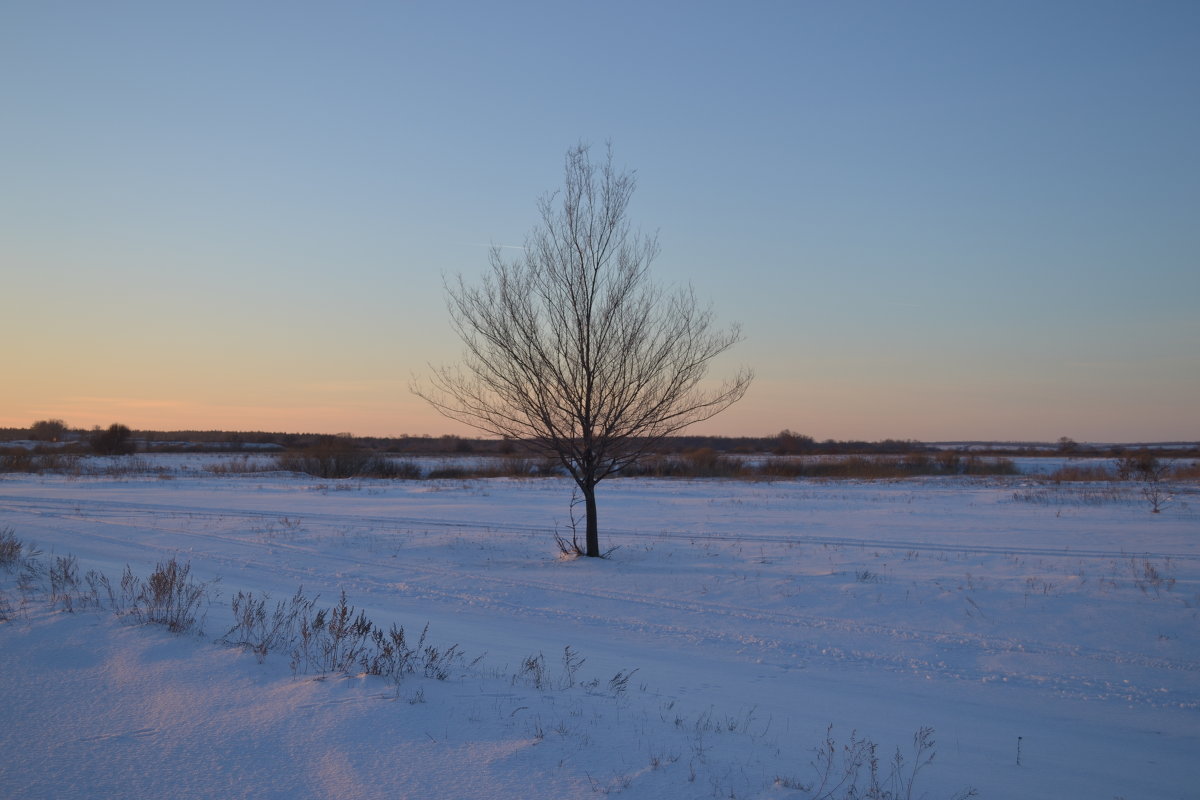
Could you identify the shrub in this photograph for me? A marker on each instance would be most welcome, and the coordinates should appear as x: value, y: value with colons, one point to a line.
x: 533, y: 673
x: 792, y: 443
x: 510, y: 466
x: 15, y: 556
x: 10, y: 548
x: 853, y: 770
x: 782, y: 468
x: 260, y: 632
x: 1186, y: 472
x: 1141, y: 466
x: 335, y: 457
x: 19, y: 460
x: 450, y: 473
x: 707, y: 462
x: 169, y: 597
x: 64, y: 581
x: 1145, y: 467
x: 1075, y: 473
x: 47, y: 430
x: 886, y: 467
x: 116, y: 440
x: 342, y: 639
x: 242, y: 465
x: 703, y: 462
x: 990, y: 466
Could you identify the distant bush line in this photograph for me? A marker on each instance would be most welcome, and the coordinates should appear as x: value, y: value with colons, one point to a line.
x: 56, y: 435
x: 331, y: 462
x: 785, y: 456
x: 707, y: 463
x: 335, y: 464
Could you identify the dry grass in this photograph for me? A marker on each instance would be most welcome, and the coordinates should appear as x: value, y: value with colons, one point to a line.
x: 331, y: 462
x: 1186, y: 472
x: 886, y: 467
x: 17, y: 459
x: 1083, y: 473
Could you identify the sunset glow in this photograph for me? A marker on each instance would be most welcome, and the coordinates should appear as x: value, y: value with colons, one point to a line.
x: 934, y: 221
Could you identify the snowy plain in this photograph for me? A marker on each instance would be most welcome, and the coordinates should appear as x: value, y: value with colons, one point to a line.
x: 1046, y: 633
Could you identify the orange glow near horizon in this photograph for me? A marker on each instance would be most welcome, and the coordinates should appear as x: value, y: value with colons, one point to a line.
x: 825, y: 412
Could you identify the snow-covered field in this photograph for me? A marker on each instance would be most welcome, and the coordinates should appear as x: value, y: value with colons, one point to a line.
x: 1048, y: 635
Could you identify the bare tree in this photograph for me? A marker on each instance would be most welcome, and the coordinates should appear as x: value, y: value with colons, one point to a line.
x: 1153, y: 473
x: 573, y: 349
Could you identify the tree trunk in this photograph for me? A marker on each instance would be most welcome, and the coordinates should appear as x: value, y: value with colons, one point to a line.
x: 593, y: 533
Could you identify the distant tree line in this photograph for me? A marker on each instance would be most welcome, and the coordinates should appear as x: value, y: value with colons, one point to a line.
x: 57, y: 434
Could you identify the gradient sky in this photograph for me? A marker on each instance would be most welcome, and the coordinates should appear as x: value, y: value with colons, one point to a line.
x: 935, y: 220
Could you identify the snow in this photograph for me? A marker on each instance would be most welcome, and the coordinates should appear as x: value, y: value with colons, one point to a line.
x: 1003, y: 613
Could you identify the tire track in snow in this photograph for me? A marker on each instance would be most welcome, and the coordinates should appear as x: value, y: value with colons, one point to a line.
x: 263, y: 555
x: 94, y: 508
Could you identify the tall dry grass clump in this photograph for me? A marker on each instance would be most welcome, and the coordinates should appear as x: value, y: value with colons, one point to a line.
x: 337, y: 457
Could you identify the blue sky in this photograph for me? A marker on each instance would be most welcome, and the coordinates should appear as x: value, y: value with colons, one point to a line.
x: 933, y: 220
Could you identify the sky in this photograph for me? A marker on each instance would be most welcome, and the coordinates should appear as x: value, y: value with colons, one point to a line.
x: 933, y: 220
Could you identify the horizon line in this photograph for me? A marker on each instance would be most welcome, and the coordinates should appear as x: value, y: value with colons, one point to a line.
x: 776, y: 435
